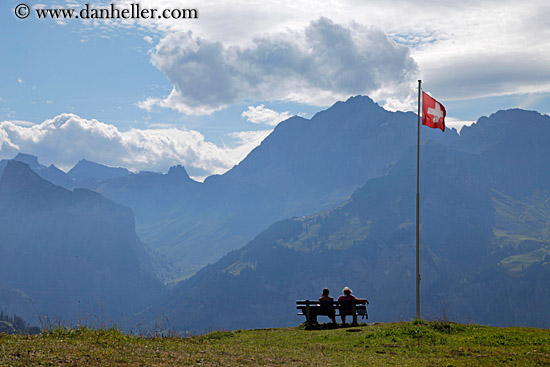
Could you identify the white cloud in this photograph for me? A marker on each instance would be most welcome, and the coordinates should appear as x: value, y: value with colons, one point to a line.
x: 488, y: 49
x: 22, y: 122
x: 509, y: 53
x: 148, y: 103
x: 465, y: 49
x: 262, y: 115
x: 20, y: 80
x: 317, y: 65
x: 457, y: 124
x: 67, y: 138
x: 250, y: 138
x: 530, y: 100
x: 148, y: 39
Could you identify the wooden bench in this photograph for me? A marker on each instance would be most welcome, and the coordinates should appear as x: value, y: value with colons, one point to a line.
x: 312, y: 309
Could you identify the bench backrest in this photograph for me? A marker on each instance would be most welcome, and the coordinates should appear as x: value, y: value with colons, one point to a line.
x: 335, y: 304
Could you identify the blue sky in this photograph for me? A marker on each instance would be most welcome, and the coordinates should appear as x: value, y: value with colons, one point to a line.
x: 203, y: 92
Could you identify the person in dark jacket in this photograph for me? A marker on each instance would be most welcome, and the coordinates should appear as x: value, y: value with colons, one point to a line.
x: 326, y: 305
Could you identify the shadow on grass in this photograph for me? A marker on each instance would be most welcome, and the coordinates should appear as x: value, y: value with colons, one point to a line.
x: 331, y: 326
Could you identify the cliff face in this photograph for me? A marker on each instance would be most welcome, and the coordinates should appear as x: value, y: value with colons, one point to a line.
x: 74, y: 253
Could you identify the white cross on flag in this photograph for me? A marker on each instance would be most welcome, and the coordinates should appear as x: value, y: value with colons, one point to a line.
x: 433, y: 113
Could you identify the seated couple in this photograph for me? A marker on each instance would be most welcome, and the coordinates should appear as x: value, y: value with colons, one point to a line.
x: 346, y: 304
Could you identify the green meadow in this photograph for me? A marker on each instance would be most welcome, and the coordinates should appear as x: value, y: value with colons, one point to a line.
x: 400, y: 344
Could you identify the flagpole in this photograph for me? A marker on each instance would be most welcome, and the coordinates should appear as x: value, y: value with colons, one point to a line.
x: 418, y: 209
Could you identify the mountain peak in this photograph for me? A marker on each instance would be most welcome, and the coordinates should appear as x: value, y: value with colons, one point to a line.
x: 19, y: 176
x: 361, y: 99
x: 86, y: 169
x: 178, y: 171
x: 504, y: 125
x: 16, y: 168
x: 29, y: 159
x: 356, y: 105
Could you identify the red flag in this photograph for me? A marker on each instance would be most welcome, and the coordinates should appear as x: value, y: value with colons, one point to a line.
x: 433, y: 113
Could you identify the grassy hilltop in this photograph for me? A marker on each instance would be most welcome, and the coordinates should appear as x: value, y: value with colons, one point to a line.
x: 400, y: 344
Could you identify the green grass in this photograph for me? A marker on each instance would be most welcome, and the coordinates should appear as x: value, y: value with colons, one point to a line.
x: 523, y: 220
x: 350, y: 230
x: 516, y: 264
x: 399, y: 344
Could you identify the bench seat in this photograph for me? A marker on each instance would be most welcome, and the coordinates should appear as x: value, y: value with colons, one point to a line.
x: 311, y: 309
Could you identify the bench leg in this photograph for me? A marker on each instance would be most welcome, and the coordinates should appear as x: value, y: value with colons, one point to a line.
x: 308, y: 315
x: 354, y: 316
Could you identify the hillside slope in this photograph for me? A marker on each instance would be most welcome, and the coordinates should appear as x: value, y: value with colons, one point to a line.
x: 74, y: 253
x: 484, y: 246
x: 302, y: 167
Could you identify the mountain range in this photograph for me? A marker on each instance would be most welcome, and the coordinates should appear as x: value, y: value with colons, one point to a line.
x: 85, y: 174
x: 485, y: 242
x: 324, y: 202
x: 302, y: 167
x: 73, y: 254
